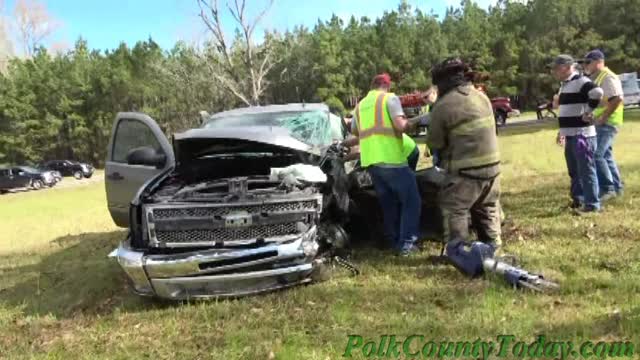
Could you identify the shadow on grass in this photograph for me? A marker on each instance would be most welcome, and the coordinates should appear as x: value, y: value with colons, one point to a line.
x: 527, y: 127
x: 78, y: 278
x: 615, y: 325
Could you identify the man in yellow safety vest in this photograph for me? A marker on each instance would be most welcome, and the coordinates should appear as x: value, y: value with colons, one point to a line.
x: 379, y: 126
x: 608, y: 118
x: 410, y: 149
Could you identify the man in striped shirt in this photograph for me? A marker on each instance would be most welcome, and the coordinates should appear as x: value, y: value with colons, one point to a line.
x: 578, y: 98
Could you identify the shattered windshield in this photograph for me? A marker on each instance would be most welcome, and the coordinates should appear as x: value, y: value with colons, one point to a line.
x: 312, y: 127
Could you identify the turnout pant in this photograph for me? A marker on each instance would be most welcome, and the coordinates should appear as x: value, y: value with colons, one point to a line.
x: 462, y: 199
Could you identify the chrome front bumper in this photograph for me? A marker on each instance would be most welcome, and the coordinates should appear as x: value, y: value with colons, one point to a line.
x: 219, y: 272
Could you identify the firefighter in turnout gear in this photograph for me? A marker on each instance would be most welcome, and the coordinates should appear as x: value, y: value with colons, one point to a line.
x: 379, y: 124
x: 462, y: 130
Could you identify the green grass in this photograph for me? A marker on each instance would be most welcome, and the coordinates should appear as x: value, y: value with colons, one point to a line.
x: 62, y: 298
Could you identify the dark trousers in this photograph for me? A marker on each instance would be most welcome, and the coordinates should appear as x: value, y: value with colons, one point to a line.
x: 399, y: 199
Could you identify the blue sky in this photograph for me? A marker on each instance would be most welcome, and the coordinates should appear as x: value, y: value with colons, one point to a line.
x: 105, y: 23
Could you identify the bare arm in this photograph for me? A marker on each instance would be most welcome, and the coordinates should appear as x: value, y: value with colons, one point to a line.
x: 398, y: 118
x: 401, y: 123
x: 612, y: 105
x: 351, y: 141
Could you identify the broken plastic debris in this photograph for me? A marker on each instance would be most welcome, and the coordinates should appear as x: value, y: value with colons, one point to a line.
x: 302, y: 172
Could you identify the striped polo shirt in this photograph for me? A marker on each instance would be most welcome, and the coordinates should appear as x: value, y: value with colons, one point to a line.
x: 578, y: 95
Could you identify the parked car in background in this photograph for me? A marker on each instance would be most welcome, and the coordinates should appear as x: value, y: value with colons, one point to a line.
x: 56, y: 175
x: 69, y: 168
x: 630, y: 88
x: 25, y: 177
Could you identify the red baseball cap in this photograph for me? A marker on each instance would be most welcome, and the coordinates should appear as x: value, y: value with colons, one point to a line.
x: 383, y: 79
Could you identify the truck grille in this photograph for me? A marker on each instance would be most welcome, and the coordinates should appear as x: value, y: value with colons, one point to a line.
x: 167, y: 213
x: 218, y: 231
x: 227, y: 235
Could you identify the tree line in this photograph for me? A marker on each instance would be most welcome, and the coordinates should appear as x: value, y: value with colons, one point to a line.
x: 63, y: 105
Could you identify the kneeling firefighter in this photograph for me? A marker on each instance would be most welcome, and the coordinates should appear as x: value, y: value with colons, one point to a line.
x: 462, y: 130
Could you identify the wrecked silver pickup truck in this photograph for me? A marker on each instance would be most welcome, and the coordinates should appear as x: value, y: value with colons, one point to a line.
x: 247, y: 203
x: 254, y: 200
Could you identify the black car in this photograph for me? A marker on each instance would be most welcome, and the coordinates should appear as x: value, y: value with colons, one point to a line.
x: 69, y: 168
x: 25, y: 177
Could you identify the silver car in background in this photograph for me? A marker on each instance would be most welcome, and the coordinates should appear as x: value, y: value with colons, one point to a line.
x: 630, y: 88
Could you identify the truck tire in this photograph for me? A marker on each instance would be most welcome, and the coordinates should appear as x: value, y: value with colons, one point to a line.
x: 78, y: 175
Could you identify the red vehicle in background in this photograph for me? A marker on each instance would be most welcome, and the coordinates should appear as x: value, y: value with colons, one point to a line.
x: 502, y: 108
x: 412, y: 104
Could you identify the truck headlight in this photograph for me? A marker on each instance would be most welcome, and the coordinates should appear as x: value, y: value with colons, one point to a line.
x: 310, y: 247
x: 309, y: 244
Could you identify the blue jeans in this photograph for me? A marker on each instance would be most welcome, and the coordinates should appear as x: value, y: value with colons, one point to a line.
x: 399, y: 199
x: 608, y: 173
x: 579, y: 152
x: 413, y: 158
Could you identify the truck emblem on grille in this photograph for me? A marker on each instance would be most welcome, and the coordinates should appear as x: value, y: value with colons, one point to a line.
x: 238, y: 219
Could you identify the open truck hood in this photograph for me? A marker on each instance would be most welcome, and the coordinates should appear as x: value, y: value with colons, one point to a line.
x: 195, y: 143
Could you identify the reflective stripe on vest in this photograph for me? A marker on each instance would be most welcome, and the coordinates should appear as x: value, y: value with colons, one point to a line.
x: 379, y: 127
x: 616, y: 118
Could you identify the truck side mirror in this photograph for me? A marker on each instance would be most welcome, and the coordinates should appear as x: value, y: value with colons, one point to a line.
x: 146, y: 156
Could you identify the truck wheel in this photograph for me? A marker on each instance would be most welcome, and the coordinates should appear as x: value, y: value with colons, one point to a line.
x: 36, y: 184
x: 78, y: 175
x: 501, y: 118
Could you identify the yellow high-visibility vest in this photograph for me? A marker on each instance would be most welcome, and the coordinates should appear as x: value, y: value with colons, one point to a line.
x: 380, y: 142
x: 617, y: 117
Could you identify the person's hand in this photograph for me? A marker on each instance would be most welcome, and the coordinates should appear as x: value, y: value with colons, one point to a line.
x: 587, y: 117
x: 601, y: 120
x: 560, y: 140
